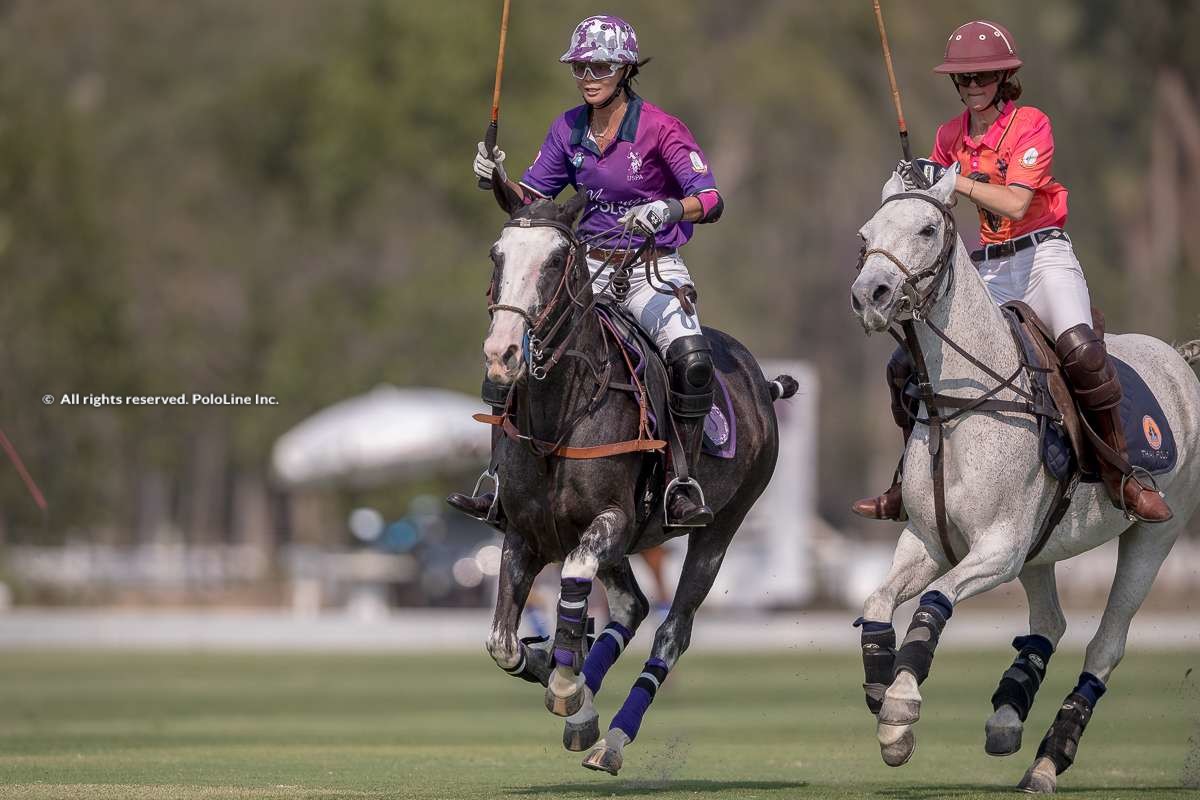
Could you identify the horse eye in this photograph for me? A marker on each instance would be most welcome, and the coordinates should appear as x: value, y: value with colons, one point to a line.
x: 928, y: 230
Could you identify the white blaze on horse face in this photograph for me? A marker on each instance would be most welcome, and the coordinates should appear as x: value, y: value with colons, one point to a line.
x: 524, y: 252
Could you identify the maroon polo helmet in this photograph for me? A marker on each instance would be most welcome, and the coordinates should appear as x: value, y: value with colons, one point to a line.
x: 979, y: 46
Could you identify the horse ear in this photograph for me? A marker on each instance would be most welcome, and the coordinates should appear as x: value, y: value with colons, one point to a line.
x: 895, y: 185
x: 509, y: 200
x: 572, y: 207
x: 943, y: 190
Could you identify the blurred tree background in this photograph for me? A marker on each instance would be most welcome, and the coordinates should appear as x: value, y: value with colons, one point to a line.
x: 275, y: 197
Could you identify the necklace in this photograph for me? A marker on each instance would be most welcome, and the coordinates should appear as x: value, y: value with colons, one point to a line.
x: 603, y: 138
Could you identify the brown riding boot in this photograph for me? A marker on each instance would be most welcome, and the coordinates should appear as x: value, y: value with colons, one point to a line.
x: 1094, y: 382
x: 890, y: 504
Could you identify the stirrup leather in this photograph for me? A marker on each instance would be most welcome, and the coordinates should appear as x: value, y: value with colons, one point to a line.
x: 668, y: 494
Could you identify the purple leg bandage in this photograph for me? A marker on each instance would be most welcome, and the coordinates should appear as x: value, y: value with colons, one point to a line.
x: 604, y: 654
x: 629, y: 718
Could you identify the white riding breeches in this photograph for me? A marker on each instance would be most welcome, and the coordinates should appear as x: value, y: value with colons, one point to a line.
x: 1048, y: 278
x: 658, y: 314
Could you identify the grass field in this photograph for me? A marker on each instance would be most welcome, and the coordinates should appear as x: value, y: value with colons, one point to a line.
x: 216, y: 726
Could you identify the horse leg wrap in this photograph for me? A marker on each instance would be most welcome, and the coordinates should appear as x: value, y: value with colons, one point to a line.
x: 1020, y: 682
x: 604, y: 653
x: 1062, y: 740
x: 629, y: 718
x: 879, y: 656
x: 523, y: 669
x: 916, y: 654
x: 570, y: 636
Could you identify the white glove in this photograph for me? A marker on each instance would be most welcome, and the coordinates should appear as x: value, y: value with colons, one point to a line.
x: 650, y: 218
x: 485, y: 164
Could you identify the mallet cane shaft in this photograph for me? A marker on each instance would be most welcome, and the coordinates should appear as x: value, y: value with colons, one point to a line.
x: 887, y: 60
x: 489, y: 138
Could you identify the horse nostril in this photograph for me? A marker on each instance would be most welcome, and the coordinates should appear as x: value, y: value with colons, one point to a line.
x: 855, y: 303
x: 510, y: 356
x: 881, y: 291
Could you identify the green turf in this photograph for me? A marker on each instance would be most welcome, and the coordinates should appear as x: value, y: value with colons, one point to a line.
x: 116, y: 725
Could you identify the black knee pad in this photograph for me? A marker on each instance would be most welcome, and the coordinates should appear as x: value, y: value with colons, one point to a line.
x: 689, y: 361
x: 570, y: 635
x: 916, y: 654
x: 1021, y: 681
x: 1062, y: 740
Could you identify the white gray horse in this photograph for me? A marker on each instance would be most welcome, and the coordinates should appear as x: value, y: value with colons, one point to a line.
x: 997, y: 492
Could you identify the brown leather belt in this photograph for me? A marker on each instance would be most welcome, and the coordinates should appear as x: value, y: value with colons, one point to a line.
x: 601, y: 254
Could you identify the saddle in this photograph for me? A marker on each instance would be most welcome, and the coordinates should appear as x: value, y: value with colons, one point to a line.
x: 1066, y: 448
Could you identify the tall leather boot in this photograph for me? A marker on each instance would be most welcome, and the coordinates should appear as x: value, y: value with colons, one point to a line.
x: 689, y: 362
x: 1093, y: 381
x: 485, y: 507
x: 890, y: 504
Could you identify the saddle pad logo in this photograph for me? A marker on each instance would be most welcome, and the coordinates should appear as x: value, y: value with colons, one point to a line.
x: 716, y: 427
x: 698, y: 164
x: 1152, y: 433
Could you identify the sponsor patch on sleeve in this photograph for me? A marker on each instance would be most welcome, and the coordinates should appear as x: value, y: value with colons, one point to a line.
x: 698, y: 164
x: 1030, y: 157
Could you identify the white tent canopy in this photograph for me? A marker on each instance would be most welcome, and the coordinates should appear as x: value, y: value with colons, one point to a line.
x: 383, y: 435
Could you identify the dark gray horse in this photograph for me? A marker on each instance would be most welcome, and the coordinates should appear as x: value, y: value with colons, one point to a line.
x: 587, y: 513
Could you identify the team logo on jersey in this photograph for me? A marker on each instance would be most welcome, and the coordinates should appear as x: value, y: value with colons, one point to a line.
x: 1030, y: 157
x: 635, y: 166
x: 577, y: 160
x: 1152, y: 433
x: 698, y: 164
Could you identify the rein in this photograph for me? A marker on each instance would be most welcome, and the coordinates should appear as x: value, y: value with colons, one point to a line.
x: 540, y: 363
x: 919, y: 304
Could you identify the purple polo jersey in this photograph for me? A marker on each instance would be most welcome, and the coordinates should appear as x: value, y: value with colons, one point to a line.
x: 654, y: 157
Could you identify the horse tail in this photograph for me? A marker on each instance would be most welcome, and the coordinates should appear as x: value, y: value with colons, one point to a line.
x: 784, y: 386
x: 1190, y: 351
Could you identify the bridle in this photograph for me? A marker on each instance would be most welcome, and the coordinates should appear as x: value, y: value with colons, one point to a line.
x: 537, y: 339
x: 919, y: 304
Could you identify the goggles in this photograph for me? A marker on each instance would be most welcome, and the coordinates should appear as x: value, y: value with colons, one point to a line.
x: 595, y: 70
x: 978, y: 78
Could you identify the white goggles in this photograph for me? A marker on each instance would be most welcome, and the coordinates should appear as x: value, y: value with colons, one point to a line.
x: 596, y: 70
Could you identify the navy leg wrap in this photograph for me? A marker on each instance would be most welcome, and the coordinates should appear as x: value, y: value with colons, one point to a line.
x: 570, y: 636
x: 1062, y: 740
x: 604, y: 653
x: 916, y: 654
x: 629, y: 718
x: 1020, y: 682
x: 879, y: 656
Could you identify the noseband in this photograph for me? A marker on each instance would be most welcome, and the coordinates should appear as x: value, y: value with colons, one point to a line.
x: 917, y: 302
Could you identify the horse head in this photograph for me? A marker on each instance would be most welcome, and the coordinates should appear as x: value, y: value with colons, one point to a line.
x: 532, y: 261
x: 907, y: 247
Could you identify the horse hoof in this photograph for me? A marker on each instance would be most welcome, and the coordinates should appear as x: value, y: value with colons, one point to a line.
x: 1041, y: 778
x: 1003, y: 733
x: 896, y: 711
x: 603, y: 758
x: 579, y: 736
x: 896, y: 744
x: 564, y: 697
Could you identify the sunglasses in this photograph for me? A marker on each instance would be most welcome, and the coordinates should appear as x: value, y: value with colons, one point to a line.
x: 596, y: 70
x: 978, y: 78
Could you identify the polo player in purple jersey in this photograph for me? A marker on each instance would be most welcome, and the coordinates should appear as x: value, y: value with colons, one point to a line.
x: 642, y: 169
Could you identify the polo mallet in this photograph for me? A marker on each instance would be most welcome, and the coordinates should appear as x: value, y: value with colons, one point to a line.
x: 887, y: 60
x: 489, y: 138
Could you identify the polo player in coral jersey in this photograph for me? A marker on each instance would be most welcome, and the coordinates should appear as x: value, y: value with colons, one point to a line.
x: 1004, y: 153
x: 643, y: 171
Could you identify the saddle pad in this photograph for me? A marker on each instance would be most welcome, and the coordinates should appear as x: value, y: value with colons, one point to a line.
x: 720, y: 426
x: 1148, y: 435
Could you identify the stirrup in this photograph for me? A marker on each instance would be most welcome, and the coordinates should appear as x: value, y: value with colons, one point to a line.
x: 493, y: 514
x: 667, y: 494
